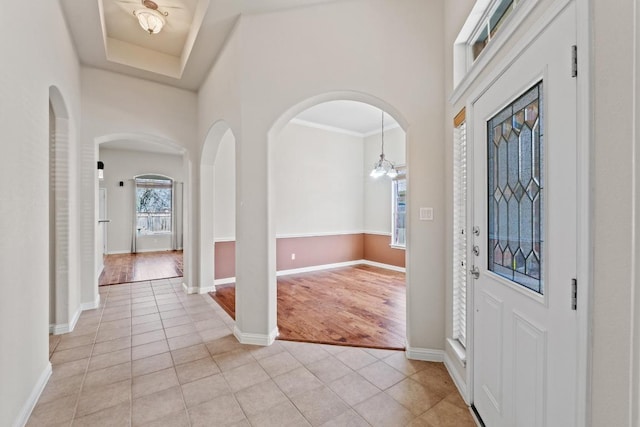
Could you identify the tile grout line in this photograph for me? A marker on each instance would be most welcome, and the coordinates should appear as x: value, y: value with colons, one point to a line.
x: 86, y: 369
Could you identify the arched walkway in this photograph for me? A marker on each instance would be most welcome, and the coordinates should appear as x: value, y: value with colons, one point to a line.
x: 206, y: 237
x: 256, y: 295
x: 122, y: 142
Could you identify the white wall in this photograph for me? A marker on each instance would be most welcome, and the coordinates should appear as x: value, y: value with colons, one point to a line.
x: 322, y: 183
x: 215, y: 118
x: 289, y: 59
x: 118, y: 107
x: 224, y: 216
x: 377, y: 191
x: 318, y: 182
x: 31, y: 62
x: 123, y: 165
x: 614, y: 127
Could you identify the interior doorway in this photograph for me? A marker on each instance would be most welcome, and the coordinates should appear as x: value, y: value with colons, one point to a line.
x: 339, y: 175
x: 142, y: 241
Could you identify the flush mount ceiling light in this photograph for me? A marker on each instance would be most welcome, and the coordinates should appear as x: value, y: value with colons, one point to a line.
x: 383, y: 166
x: 150, y: 18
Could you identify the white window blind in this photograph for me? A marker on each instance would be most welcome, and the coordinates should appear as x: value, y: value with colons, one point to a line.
x: 399, y: 209
x: 459, y: 234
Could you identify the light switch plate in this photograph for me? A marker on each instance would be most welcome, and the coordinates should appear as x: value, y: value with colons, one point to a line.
x: 426, y: 214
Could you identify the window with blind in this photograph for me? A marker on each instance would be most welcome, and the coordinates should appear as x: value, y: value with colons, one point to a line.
x: 459, y: 230
x: 399, y: 209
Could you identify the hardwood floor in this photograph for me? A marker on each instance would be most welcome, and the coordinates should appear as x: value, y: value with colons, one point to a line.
x: 124, y: 268
x: 360, y: 306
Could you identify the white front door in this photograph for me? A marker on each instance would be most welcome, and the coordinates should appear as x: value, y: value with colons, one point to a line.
x: 524, y: 216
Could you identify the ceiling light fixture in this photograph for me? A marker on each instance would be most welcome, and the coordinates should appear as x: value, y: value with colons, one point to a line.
x: 383, y: 166
x: 150, y: 19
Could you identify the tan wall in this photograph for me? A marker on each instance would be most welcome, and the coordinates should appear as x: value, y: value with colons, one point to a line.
x: 376, y: 248
x: 225, y: 260
x: 317, y: 250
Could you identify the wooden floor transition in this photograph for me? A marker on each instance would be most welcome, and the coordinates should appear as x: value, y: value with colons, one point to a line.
x: 361, y: 306
x: 125, y: 268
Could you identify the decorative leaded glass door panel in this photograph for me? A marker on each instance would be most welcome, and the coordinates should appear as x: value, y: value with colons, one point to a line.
x: 524, y: 218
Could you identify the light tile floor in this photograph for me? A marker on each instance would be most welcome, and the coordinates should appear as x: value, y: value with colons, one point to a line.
x: 151, y: 355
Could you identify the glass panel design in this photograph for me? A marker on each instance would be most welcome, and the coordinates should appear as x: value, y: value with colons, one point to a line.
x: 515, y: 187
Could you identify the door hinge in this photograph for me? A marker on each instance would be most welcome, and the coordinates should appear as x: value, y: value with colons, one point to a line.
x: 574, y: 294
x: 574, y: 61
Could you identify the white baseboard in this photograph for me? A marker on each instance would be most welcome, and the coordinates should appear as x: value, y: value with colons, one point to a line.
x: 140, y: 251
x: 455, y: 376
x: 225, y: 281
x: 255, y: 339
x: 206, y: 290
x: 425, y: 354
x: 318, y: 268
x: 197, y: 289
x: 188, y: 289
x: 91, y: 305
x: 381, y: 265
x: 37, y: 390
x: 65, y: 328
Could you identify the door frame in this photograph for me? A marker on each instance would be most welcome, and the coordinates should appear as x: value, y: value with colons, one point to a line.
x: 584, y: 161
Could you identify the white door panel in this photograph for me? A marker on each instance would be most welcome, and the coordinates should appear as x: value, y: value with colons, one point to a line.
x: 524, y: 204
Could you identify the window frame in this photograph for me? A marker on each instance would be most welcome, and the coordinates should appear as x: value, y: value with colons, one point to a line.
x: 140, y: 179
x: 465, y: 69
x: 484, y: 24
x: 402, y: 176
x: 459, y: 236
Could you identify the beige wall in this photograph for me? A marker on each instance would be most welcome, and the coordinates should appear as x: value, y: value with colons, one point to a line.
x: 613, y: 168
x: 118, y: 107
x: 377, y: 249
x: 32, y: 61
x: 278, y: 71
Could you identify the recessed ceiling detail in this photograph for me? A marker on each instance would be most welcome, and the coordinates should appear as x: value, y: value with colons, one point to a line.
x: 107, y: 35
x: 163, y: 44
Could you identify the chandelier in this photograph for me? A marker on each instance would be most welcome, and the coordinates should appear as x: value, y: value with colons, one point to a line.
x: 150, y: 18
x: 383, y: 166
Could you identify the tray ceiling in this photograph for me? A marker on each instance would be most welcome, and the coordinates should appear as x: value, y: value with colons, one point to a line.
x: 107, y: 35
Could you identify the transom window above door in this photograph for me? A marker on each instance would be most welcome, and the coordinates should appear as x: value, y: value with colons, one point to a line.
x: 499, y: 12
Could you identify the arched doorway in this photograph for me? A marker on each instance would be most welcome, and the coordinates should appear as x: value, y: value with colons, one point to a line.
x: 217, y: 208
x: 333, y: 219
x: 130, y: 238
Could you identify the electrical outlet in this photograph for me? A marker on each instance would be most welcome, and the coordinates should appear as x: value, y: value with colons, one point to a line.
x: 293, y: 257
